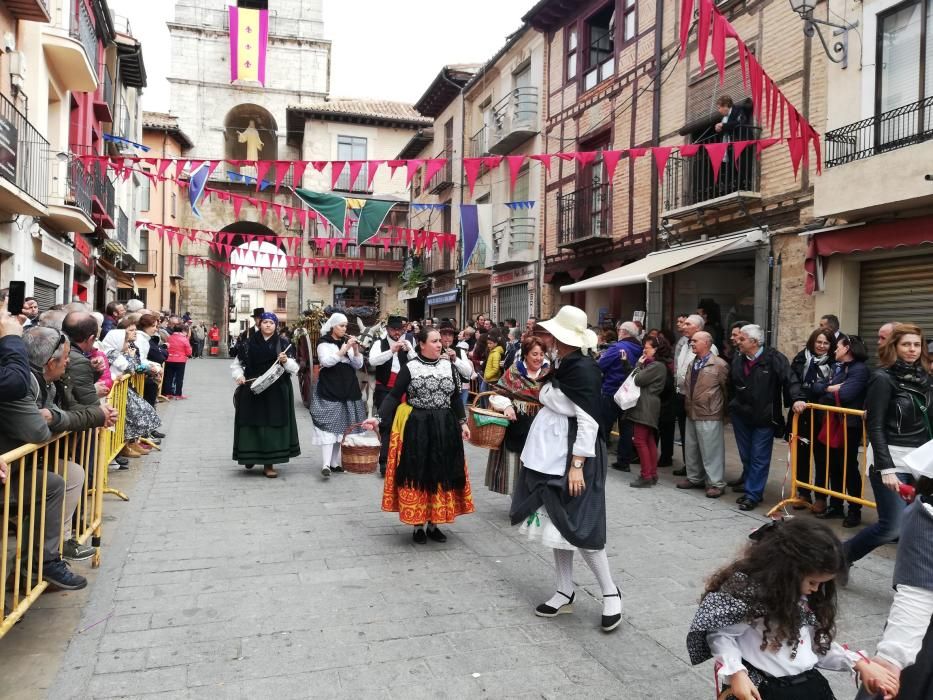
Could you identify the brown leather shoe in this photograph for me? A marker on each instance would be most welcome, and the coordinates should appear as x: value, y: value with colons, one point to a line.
x: 714, y: 492
x: 687, y: 484
x: 270, y: 472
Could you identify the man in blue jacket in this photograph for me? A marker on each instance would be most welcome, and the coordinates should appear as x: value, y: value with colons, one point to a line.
x: 617, y: 362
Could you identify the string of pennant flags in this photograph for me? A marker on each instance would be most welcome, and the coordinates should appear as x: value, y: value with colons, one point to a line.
x: 306, y: 266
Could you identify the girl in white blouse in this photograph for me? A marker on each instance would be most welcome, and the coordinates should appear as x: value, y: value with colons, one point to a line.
x: 768, y: 618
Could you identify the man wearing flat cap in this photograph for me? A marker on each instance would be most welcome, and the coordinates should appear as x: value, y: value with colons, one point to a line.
x: 386, y: 357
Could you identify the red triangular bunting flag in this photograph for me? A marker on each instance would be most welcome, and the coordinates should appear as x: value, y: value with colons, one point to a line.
x: 492, y: 162
x: 737, y: 148
x: 544, y: 159
x: 661, y: 154
x: 718, y: 46
x: 611, y: 160
x: 584, y: 158
x: 336, y: 167
x: 432, y: 167
x: 395, y: 165
x: 371, y: 167
x: 412, y: 165
x: 703, y: 27
x: 471, y: 167
x: 686, y: 19
x: 355, y: 167
x: 515, y: 166
x: 688, y: 149
x: 796, y: 147
x: 262, y: 168
x: 281, y: 170
x: 716, y: 152
x: 298, y: 172
x: 163, y: 166
x: 237, y: 205
x: 319, y: 165
x: 636, y: 153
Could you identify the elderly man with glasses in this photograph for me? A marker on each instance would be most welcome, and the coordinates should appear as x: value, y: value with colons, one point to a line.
x: 45, y: 410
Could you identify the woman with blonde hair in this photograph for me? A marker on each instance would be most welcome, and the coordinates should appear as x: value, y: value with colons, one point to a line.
x: 899, y: 409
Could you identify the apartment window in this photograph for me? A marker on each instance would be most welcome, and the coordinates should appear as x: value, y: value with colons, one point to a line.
x: 521, y: 193
x: 629, y: 27
x: 571, y: 53
x: 904, y: 72
x: 352, y: 148
x: 143, y: 192
x: 144, y: 248
x: 280, y: 302
x: 244, y: 303
x: 600, y: 53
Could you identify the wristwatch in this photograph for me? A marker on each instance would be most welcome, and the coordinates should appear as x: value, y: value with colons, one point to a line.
x: 577, y: 464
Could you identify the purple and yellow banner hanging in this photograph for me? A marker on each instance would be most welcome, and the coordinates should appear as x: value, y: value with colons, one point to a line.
x: 249, y: 34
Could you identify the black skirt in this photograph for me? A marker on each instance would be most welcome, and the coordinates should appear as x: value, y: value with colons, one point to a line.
x: 581, y: 520
x: 432, y: 456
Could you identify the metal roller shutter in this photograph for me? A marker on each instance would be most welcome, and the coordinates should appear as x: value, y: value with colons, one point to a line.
x: 895, y: 290
x: 45, y: 293
x: 513, y: 303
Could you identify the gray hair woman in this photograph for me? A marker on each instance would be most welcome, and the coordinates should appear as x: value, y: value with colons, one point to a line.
x: 560, y: 495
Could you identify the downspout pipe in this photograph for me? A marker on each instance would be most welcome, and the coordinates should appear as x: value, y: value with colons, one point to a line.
x: 655, y: 136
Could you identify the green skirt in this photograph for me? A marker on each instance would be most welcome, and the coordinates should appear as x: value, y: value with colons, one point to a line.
x: 266, y: 444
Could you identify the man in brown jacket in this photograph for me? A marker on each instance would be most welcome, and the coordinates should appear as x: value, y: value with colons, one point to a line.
x: 705, y: 402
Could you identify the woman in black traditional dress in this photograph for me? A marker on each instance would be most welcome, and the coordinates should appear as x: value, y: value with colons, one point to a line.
x: 426, y: 480
x: 265, y: 428
x: 560, y: 496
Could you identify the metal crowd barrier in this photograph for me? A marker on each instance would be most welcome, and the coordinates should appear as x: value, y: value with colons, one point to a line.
x: 818, y: 456
x: 22, y: 529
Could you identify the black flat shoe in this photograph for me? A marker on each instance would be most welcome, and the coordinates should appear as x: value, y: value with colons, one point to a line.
x: 665, y: 462
x: 435, y: 534
x: 610, y: 622
x: 157, y: 434
x: 545, y: 610
x: 337, y: 469
x: 419, y: 536
x: 249, y: 466
x: 832, y: 513
x: 747, y: 504
x: 619, y: 466
x: 853, y: 518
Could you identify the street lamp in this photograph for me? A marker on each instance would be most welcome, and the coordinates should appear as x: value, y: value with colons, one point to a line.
x: 839, y: 51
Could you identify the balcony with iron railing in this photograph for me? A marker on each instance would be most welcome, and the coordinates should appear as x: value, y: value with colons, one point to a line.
x: 479, y: 143
x: 70, y: 46
x: 103, y: 199
x: 31, y: 10
x: 71, y: 190
x: 24, y: 163
x: 82, y: 29
x: 438, y: 261
x: 513, y: 242
x: 123, y: 229
x: 104, y: 107
x: 584, y: 216
x: 690, y: 183
x: 879, y: 165
x: 515, y: 120
x: 444, y: 177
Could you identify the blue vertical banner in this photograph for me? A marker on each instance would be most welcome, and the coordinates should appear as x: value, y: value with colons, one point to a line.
x: 469, y: 226
x: 196, y: 184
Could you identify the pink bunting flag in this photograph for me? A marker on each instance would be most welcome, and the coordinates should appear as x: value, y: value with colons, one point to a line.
x: 395, y: 165
x: 610, y: 161
x: 737, y: 148
x: 796, y: 146
x: 686, y: 19
x: 319, y: 165
x: 355, y: 167
x: 817, y: 150
x: 492, y: 162
x: 636, y: 153
x: 212, y: 165
x: 515, y: 166
x: 718, y: 46
x: 432, y: 167
x: 298, y: 172
x: 237, y: 205
x: 688, y: 149
x: 262, y: 169
x: 163, y: 166
x: 585, y: 158
x: 716, y: 152
x: 661, y: 154
x: 703, y: 30
x: 371, y: 168
x: 336, y: 167
x: 412, y: 166
x: 742, y: 61
x: 471, y: 167
x: 180, y: 167
x: 544, y: 159
x: 281, y: 170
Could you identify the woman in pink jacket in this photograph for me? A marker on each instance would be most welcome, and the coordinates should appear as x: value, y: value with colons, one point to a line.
x: 179, y: 350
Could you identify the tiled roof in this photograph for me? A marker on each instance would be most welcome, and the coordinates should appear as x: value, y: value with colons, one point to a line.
x: 162, y: 121
x: 273, y: 280
x: 371, y: 109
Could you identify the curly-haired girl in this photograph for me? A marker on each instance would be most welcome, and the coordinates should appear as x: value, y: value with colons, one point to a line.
x: 769, y: 617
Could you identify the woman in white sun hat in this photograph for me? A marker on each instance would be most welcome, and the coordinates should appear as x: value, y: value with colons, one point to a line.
x: 560, y: 496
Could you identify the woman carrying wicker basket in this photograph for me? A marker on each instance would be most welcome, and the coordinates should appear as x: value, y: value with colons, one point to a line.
x: 560, y: 496
x: 518, y: 400
x: 426, y: 480
x: 336, y: 403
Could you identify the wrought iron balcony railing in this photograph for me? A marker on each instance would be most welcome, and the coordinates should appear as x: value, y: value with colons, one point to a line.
x: 513, y: 240
x: 82, y: 28
x: 584, y: 215
x: 690, y: 181
x: 360, y: 184
x: 515, y: 119
x: 888, y: 131
x: 123, y: 229
x: 24, y: 161
x: 80, y: 188
x: 444, y: 177
x: 479, y: 143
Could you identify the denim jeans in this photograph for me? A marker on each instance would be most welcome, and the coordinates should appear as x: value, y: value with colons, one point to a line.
x: 888, y: 528
x: 754, y: 446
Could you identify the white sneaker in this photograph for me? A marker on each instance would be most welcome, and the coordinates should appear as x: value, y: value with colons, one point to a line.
x: 325, y: 471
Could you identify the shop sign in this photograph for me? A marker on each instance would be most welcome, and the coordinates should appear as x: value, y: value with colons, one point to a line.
x: 54, y: 248
x: 8, y: 141
x: 519, y: 274
x: 406, y: 294
x: 82, y: 255
x: 442, y: 298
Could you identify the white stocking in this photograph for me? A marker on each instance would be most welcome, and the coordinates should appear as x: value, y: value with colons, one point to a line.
x: 335, y: 458
x: 326, y: 451
x: 598, y: 562
x: 563, y: 573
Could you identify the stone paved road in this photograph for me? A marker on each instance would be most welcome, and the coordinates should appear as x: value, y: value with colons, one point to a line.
x: 219, y: 583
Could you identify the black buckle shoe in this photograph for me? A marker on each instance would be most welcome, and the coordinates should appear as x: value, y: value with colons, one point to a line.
x: 610, y: 622
x: 434, y: 533
x: 419, y: 536
x: 545, y: 610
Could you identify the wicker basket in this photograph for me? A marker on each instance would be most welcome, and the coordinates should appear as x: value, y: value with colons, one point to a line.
x: 358, y: 459
x: 489, y: 437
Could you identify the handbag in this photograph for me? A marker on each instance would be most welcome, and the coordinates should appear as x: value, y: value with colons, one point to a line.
x: 627, y: 395
x: 832, y: 434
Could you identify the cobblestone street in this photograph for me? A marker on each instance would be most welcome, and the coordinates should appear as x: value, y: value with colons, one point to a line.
x: 219, y: 583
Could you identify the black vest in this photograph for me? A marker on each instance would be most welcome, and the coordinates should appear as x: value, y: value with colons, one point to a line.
x: 383, y: 372
x: 914, y: 564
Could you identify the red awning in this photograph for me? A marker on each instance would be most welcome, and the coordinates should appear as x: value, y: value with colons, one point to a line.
x: 862, y: 239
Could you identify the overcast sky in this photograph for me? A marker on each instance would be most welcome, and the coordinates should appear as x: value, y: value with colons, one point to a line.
x: 381, y: 48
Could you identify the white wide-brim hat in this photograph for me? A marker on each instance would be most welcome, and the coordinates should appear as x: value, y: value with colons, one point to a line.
x: 570, y: 327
